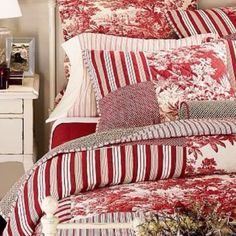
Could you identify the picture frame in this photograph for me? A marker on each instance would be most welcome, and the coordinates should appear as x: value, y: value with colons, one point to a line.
x: 21, y: 55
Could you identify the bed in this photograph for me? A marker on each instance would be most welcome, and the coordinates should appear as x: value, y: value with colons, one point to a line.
x: 165, y: 139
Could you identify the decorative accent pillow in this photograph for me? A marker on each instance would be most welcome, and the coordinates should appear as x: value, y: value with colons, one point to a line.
x: 139, y: 19
x: 221, y: 21
x: 189, y: 73
x: 79, y: 98
x: 207, y: 109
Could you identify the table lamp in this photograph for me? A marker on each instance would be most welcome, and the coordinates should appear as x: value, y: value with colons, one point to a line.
x: 8, y: 9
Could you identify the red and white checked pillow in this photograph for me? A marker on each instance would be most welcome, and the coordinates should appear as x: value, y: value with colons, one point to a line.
x: 221, y: 21
x: 169, y: 77
x: 79, y: 98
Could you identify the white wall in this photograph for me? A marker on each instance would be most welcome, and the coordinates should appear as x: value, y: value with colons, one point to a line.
x: 216, y: 3
x: 34, y: 22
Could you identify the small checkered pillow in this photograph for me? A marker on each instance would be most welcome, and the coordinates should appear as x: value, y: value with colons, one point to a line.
x: 144, y: 88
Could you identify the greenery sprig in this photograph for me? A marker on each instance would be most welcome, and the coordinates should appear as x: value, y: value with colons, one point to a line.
x: 197, y: 220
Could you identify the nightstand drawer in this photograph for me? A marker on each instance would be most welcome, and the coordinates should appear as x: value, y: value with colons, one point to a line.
x: 11, y: 132
x: 11, y: 106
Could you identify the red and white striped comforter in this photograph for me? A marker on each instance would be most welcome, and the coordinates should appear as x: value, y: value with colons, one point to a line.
x: 164, y: 151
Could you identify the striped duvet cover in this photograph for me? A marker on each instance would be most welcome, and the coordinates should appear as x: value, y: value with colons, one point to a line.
x: 181, y: 149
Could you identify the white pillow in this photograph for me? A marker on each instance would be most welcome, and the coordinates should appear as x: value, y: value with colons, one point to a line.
x: 79, y: 98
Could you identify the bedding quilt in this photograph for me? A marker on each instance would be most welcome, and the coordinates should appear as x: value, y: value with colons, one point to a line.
x: 183, y: 160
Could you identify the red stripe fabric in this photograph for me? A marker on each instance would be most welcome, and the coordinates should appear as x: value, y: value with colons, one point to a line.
x: 209, y: 19
x: 84, y: 171
x: 104, y: 68
x: 36, y: 193
x: 214, y: 23
x: 222, y: 21
x: 199, y: 17
x: 180, y: 18
x: 127, y: 67
x: 184, y: 162
x: 135, y: 162
x: 141, y: 155
x: 173, y: 22
x: 145, y: 66
x: 72, y: 173
x: 124, y: 67
x: 27, y: 210
x: 173, y: 161
x: 59, y: 176
x: 114, y: 68
x: 9, y: 232
x: 109, y: 166
x: 160, y: 155
x: 18, y: 225
x: 47, y: 178
x: 123, y: 164
x: 135, y: 66
x: 191, y: 16
x: 97, y: 71
x: 148, y: 162
x: 98, y: 168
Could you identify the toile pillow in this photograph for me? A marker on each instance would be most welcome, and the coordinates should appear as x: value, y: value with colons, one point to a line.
x: 79, y: 98
x: 169, y: 77
x: 221, y: 21
x: 137, y: 19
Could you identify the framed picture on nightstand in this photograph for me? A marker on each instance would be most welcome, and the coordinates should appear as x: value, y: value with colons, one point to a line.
x: 21, y: 55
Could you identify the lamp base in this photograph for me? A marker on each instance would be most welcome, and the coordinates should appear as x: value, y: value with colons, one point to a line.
x: 4, y: 34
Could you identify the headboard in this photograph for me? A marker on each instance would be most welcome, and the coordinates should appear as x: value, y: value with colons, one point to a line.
x: 56, y: 54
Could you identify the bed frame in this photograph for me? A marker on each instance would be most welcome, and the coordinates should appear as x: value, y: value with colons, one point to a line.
x: 50, y: 223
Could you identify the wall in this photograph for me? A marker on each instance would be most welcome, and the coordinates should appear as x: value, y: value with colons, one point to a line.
x: 34, y: 22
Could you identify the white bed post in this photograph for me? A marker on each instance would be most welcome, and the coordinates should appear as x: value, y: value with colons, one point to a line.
x: 52, y: 53
x: 49, y: 221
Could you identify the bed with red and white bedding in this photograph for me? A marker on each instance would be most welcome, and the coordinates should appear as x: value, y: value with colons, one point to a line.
x: 172, y: 162
x: 142, y: 155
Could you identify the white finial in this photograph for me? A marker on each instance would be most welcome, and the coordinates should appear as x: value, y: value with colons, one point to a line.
x: 49, y: 221
x: 49, y: 206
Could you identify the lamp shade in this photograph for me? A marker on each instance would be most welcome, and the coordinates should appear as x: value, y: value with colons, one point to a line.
x: 9, y: 9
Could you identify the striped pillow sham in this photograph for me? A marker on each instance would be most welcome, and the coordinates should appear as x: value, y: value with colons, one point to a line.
x: 221, y: 21
x: 169, y: 77
x: 79, y: 98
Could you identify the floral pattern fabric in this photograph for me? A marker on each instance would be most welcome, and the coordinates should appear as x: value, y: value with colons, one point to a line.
x: 189, y: 73
x: 205, y: 154
x: 124, y: 203
x: 140, y: 19
x: 159, y: 196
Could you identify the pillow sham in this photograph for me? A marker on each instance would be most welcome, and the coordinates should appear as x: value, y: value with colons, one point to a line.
x: 221, y: 21
x: 79, y: 98
x: 189, y: 73
x: 139, y: 19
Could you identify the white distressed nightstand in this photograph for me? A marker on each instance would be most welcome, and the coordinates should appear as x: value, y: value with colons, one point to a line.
x: 16, y: 122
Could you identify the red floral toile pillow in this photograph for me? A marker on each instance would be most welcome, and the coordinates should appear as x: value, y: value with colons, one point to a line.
x: 169, y: 77
x: 132, y: 18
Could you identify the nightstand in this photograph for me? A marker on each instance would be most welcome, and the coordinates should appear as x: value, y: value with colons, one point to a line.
x: 16, y: 122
